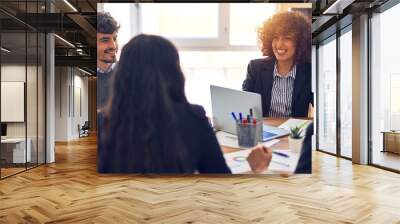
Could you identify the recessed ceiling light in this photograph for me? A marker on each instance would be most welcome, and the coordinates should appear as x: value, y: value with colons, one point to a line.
x: 5, y: 50
x: 86, y: 72
x: 337, y: 7
x: 64, y: 40
x: 70, y: 5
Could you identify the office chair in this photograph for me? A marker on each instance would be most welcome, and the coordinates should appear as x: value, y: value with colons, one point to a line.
x: 84, y: 130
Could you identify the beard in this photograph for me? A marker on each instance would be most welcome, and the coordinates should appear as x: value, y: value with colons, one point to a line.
x: 109, y: 61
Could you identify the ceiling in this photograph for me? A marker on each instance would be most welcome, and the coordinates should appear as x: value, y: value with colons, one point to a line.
x: 75, y: 22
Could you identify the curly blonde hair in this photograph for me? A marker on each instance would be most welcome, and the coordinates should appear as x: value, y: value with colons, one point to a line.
x: 287, y: 23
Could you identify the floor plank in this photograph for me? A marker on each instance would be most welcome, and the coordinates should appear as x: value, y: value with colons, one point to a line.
x: 71, y: 191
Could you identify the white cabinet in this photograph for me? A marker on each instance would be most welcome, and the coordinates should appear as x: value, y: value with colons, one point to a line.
x: 17, y: 146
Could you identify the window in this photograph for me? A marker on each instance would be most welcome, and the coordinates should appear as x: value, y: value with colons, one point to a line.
x: 195, y: 26
x: 222, y: 68
x: 346, y: 94
x: 245, y: 19
x: 327, y: 96
x: 181, y: 21
x: 385, y: 84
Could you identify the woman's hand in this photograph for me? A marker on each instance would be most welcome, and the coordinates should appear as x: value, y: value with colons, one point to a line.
x: 259, y: 158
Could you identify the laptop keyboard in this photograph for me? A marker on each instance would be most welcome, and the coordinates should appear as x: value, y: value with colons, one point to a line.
x: 267, y: 134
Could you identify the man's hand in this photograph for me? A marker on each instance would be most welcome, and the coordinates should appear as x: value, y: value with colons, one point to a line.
x: 259, y: 158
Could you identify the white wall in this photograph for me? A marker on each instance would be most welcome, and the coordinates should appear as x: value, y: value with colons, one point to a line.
x: 33, y: 126
x: 12, y: 73
x: 61, y: 103
x: 71, y: 93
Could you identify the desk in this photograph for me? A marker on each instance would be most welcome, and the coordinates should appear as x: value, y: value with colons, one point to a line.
x: 13, y: 150
x: 282, y: 144
x: 391, y: 141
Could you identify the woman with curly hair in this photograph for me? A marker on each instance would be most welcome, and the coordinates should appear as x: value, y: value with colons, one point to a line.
x: 283, y: 78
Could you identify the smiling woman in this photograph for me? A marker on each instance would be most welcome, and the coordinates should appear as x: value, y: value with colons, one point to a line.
x: 283, y: 78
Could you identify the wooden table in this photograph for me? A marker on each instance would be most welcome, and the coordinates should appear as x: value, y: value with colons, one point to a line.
x: 391, y: 141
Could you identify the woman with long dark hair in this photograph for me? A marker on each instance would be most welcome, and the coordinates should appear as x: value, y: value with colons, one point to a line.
x: 150, y: 126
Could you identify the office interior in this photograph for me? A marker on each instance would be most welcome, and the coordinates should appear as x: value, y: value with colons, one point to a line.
x: 349, y: 52
x: 48, y: 66
x: 31, y: 55
x: 47, y: 79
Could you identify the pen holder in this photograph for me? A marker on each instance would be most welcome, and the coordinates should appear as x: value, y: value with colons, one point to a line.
x: 248, y: 135
x: 259, y: 131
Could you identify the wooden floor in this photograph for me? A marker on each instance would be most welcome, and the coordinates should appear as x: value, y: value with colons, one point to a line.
x: 71, y: 191
x: 387, y: 159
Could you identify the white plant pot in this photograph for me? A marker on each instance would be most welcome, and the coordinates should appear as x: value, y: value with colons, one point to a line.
x: 295, y: 144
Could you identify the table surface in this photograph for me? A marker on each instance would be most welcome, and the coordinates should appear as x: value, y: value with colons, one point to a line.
x: 391, y: 132
x: 282, y: 144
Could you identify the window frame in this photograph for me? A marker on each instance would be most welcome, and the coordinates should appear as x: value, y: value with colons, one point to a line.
x: 221, y: 43
x: 336, y: 36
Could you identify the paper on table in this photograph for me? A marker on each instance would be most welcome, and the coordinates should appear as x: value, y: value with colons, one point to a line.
x: 227, y: 139
x: 270, y: 142
x: 292, y: 122
x: 237, y: 161
x: 230, y: 140
x: 281, y: 164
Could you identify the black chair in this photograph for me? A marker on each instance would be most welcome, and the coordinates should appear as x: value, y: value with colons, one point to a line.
x: 84, y: 130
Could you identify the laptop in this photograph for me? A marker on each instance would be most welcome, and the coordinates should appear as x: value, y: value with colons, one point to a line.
x: 224, y: 101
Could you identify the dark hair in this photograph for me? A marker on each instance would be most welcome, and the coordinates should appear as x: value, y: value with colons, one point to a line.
x: 142, y: 135
x: 106, y: 23
x: 287, y: 23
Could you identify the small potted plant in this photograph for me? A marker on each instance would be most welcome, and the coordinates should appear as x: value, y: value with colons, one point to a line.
x: 295, y: 138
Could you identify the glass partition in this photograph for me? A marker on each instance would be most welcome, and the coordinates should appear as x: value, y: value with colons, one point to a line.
x: 14, y: 144
x: 346, y: 93
x: 41, y: 109
x: 22, y: 88
x: 385, y: 89
x: 326, y: 106
x: 31, y: 99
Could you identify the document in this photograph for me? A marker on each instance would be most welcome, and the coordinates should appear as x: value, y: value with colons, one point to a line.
x: 237, y: 162
x: 281, y: 164
x: 231, y: 140
x: 227, y: 139
x: 292, y: 122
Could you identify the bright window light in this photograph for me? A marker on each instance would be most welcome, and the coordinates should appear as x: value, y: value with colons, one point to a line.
x: 245, y: 18
x: 180, y: 20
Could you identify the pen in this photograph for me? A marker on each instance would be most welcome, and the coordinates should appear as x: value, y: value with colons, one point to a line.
x: 281, y: 154
x: 234, y: 116
x: 251, y: 115
x: 240, y: 117
x: 248, y: 119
